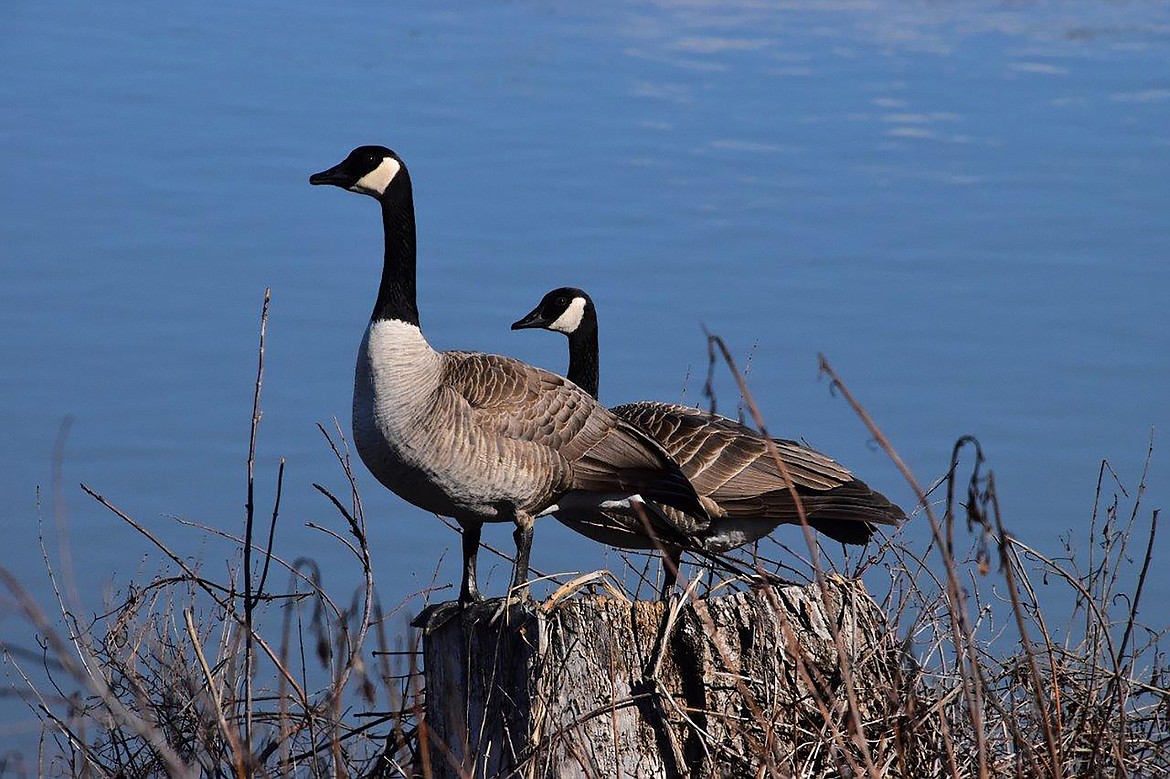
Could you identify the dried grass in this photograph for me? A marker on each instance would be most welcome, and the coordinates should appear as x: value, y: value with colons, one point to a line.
x: 187, y: 675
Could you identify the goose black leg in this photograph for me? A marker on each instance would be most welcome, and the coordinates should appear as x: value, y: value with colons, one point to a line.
x: 469, y: 590
x: 523, y: 537
x: 671, y: 560
x: 518, y: 595
x: 436, y: 615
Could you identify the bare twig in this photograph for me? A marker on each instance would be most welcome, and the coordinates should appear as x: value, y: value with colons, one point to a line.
x: 249, y: 517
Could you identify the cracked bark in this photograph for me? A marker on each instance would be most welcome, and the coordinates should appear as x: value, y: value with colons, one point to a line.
x: 598, y: 687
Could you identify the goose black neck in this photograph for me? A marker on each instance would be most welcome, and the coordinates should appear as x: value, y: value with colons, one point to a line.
x: 397, y: 297
x: 584, y: 369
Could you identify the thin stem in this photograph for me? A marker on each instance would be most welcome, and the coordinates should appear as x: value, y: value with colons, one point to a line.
x: 249, y: 598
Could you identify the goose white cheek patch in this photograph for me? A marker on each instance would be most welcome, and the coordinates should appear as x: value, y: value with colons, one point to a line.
x: 569, y: 321
x: 375, y: 182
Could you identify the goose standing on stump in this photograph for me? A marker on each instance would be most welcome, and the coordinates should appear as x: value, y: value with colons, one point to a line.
x: 480, y: 437
x: 728, y: 464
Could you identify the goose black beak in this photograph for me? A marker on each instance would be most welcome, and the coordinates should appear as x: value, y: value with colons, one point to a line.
x: 335, y: 176
x: 533, y: 319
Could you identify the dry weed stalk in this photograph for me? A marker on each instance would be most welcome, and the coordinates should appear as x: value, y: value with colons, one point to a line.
x: 962, y: 673
x: 178, y: 678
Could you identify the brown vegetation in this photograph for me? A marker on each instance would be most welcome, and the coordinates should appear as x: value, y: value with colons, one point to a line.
x: 187, y: 675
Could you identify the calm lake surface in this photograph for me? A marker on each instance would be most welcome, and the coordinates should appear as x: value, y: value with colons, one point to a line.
x: 966, y: 208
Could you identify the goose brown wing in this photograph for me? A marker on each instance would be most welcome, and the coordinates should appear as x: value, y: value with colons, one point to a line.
x: 829, y: 511
x: 729, y: 464
x: 603, y: 453
x: 723, y: 458
x: 519, y: 401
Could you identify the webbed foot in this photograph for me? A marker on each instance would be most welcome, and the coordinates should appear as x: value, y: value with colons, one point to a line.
x: 436, y: 615
x: 518, y: 605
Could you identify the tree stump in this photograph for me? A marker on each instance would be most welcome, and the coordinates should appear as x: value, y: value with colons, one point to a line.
x: 603, y: 687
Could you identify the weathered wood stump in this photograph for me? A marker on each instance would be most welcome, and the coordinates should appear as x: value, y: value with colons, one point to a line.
x: 607, y: 687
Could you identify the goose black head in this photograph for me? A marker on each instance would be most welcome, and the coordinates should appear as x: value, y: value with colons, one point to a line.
x: 368, y: 170
x: 564, y: 310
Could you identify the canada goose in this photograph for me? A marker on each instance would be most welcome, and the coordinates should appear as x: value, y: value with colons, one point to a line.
x: 480, y: 437
x: 728, y: 464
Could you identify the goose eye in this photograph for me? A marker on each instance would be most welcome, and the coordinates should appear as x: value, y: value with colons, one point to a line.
x: 562, y: 301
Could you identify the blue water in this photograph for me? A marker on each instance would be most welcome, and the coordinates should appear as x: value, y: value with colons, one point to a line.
x: 965, y: 208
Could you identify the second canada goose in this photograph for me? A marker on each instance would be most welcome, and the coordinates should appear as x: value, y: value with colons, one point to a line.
x: 728, y: 464
x: 480, y: 437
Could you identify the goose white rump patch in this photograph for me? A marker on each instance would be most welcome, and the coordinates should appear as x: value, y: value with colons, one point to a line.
x: 588, y: 502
